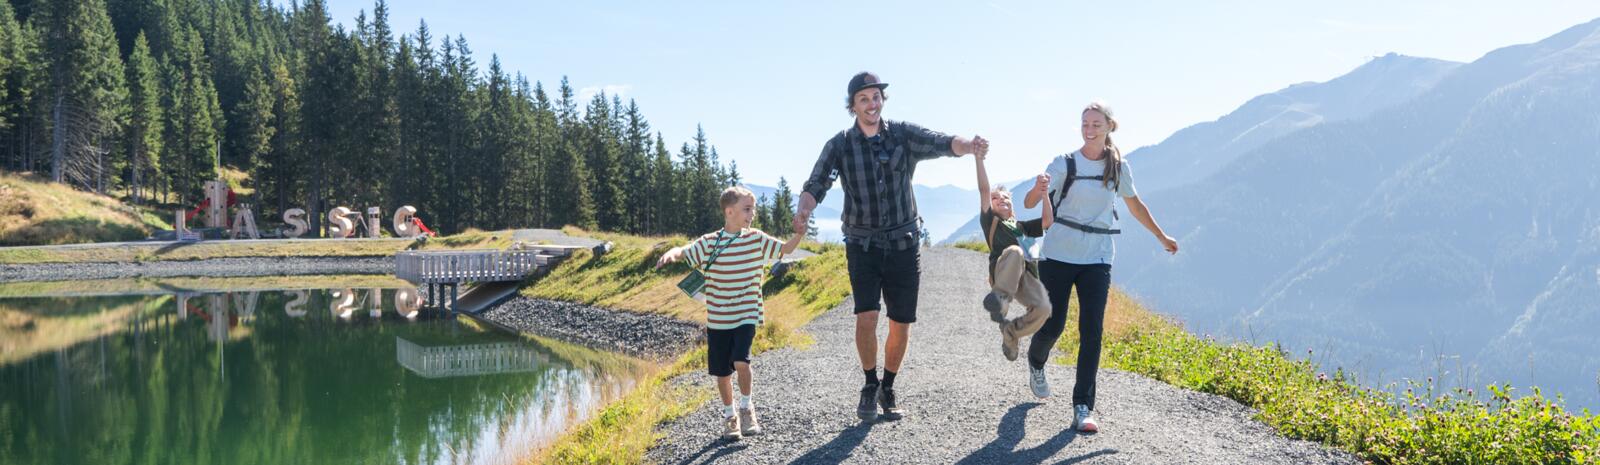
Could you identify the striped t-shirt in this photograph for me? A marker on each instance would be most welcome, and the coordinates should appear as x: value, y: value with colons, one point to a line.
x: 733, y: 284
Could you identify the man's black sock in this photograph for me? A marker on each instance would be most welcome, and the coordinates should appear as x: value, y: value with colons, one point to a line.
x: 872, y: 375
x: 888, y: 379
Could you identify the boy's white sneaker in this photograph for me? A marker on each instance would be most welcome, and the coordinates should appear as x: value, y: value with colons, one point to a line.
x: 749, y: 426
x: 730, y: 428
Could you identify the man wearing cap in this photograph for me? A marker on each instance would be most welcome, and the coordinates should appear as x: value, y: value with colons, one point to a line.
x: 875, y: 158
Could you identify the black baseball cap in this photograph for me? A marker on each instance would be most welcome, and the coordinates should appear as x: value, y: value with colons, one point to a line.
x: 863, y: 80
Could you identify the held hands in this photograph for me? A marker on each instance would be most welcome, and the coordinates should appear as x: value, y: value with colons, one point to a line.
x: 673, y: 255
x: 980, y: 147
x: 801, y: 218
x: 1042, y: 183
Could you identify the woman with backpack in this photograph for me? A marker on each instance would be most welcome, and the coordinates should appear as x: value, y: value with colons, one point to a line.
x: 1078, y: 250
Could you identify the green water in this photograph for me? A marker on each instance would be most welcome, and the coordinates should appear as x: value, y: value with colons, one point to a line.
x: 281, y: 377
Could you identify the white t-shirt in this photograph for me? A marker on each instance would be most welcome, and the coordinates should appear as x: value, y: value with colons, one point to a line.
x: 1089, y: 203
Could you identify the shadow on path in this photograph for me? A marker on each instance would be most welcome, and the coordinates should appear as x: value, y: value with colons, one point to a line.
x: 838, y: 449
x: 1010, y: 433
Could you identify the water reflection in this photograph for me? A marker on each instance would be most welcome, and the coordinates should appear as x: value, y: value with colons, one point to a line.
x: 347, y: 375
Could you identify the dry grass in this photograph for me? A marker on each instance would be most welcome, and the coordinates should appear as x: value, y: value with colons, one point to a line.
x: 34, y: 212
x: 236, y: 180
x: 1125, y: 317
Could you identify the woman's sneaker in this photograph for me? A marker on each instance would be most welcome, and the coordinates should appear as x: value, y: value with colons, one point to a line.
x: 747, y: 422
x: 1037, y: 381
x: 867, y: 410
x: 1084, y: 420
x: 730, y: 428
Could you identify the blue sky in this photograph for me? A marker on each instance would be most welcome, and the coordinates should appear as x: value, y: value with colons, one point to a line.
x: 767, y: 79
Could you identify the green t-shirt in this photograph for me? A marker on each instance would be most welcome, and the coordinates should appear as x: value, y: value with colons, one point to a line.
x: 1009, y: 231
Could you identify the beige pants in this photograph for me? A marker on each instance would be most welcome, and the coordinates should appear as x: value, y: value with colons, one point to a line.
x: 1011, y: 279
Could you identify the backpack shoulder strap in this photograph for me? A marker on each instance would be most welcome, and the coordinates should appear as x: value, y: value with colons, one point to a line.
x: 1066, y: 184
x: 994, y: 225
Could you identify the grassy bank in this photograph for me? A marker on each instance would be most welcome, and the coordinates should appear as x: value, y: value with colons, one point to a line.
x: 36, y: 212
x: 1419, y: 426
x: 158, y: 251
x: 624, y: 279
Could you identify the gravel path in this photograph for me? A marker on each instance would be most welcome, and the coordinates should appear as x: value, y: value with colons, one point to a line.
x: 214, y: 267
x: 966, y: 404
x: 641, y: 335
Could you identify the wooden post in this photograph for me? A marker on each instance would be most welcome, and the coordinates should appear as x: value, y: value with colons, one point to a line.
x: 217, y: 207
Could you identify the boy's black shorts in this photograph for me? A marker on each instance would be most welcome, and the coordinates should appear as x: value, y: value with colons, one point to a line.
x: 895, y: 275
x: 725, y: 346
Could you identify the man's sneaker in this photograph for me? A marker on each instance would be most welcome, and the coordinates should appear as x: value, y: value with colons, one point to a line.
x: 1084, y: 420
x: 748, y: 423
x: 730, y: 428
x: 996, y: 305
x: 1040, y: 385
x: 891, y: 412
x: 867, y: 410
x: 1008, y: 344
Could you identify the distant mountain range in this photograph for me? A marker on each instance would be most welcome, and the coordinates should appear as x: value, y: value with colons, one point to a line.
x: 1413, y: 218
x: 1199, y: 150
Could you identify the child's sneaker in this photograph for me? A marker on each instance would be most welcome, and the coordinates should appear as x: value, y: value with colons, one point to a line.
x: 747, y: 421
x: 996, y: 305
x: 730, y: 428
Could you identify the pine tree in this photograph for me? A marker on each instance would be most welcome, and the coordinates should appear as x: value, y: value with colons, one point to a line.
x: 664, y: 190
x: 783, y: 207
x: 319, y: 115
x: 87, y: 88
x: 144, y: 118
x: 10, y: 34
x: 192, y: 134
x: 282, y: 180
x: 763, y: 220
x: 639, y: 174
x: 571, y: 201
x: 252, y: 121
x: 19, y: 71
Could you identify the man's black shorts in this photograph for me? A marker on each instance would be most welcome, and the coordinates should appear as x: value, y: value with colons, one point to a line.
x: 725, y: 346
x: 894, y: 275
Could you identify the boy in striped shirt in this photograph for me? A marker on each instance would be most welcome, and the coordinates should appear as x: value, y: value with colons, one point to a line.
x: 738, y: 256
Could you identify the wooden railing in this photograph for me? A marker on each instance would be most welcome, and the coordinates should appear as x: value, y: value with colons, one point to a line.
x: 467, y: 266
